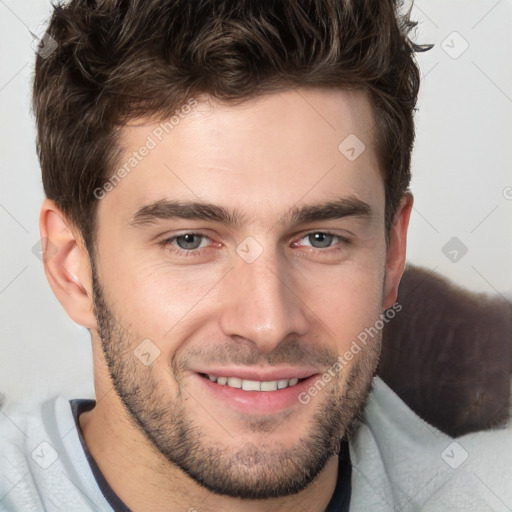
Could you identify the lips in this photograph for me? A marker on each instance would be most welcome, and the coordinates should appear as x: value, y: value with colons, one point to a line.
x: 253, y: 391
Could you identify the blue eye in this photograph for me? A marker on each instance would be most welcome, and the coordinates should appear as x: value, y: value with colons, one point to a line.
x: 323, y: 240
x: 186, y: 243
x: 189, y: 241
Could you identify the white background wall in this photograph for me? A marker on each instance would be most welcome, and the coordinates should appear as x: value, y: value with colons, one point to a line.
x: 462, y: 182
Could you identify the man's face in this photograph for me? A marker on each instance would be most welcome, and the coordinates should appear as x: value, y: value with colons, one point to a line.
x: 187, y: 300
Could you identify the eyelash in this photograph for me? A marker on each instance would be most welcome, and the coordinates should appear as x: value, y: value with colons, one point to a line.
x: 168, y: 242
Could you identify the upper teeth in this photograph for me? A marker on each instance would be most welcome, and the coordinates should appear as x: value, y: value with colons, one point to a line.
x: 254, y: 385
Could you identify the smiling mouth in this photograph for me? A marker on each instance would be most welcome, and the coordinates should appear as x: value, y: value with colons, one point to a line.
x: 252, y: 385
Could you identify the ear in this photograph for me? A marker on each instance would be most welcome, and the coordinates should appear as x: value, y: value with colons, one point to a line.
x: 66, y: 264
x: 395, y: 257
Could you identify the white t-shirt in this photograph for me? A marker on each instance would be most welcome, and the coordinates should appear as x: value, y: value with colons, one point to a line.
x: 399, y: 462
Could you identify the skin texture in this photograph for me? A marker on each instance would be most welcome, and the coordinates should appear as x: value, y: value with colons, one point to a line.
x: 163, y: 440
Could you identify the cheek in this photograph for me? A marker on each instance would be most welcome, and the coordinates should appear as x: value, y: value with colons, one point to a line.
x: 349, y: 301
x: 158, y: 301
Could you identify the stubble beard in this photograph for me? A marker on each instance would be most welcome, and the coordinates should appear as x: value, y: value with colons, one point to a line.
x: 255, y: 470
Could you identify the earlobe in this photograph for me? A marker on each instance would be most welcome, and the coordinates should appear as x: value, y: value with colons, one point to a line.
x: 396, y: 252
x: 66, y: 264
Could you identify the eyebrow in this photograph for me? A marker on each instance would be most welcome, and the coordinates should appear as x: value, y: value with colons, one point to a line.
x: 172, y: 209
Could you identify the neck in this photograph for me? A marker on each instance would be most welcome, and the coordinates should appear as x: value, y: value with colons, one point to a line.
x: 145, y: 480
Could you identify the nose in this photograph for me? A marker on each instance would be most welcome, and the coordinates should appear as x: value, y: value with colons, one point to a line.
x: 262, y: 303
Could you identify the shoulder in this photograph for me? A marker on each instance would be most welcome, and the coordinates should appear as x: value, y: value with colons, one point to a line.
x: 415, y: 466
x: 25, y: 449
x: 42, y: 464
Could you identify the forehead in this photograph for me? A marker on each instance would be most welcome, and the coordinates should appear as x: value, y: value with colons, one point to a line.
x: 262, y: 156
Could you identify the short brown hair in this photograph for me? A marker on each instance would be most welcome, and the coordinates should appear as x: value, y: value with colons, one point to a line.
x: 120, y: 60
